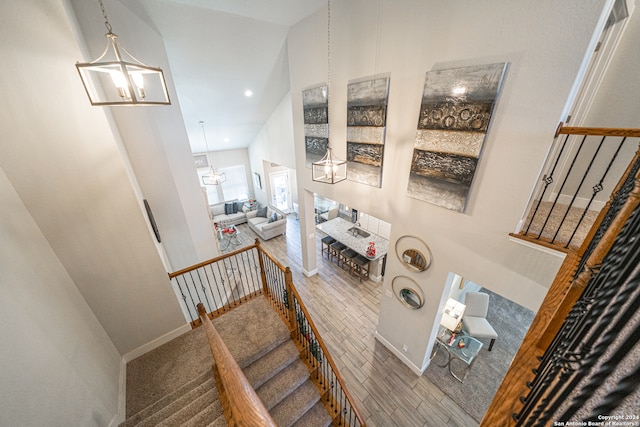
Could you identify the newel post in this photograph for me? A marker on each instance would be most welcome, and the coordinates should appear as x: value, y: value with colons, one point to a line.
x: 288, y: 281
x: 263, y: 274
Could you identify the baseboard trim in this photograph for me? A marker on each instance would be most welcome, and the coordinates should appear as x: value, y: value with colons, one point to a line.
x: 399, y: 354
x: 121, y: 416
x: 310, y: 273
x: 152, y: 345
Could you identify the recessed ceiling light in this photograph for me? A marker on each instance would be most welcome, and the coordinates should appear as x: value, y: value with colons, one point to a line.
x: 226, y: 140
x: 248, y: 93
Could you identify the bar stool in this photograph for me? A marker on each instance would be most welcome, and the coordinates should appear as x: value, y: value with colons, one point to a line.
x: 361, y: 264
x: 348, y: 255
x: 335, y: 250
x: 326, y: 242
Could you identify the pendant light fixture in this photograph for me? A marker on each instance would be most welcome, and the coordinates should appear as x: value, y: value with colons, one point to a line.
x: 213, y: 177
x: 118, y: 78
x: 329, y: 169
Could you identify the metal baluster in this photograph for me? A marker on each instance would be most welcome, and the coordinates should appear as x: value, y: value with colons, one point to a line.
x: 548, y: 180
x: 204, y: 291
x: 566, y: 177
x: 596, y: 189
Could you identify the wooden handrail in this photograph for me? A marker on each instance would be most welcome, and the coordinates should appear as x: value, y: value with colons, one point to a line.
x: 245, y: 407
x: 561, y: 296
x: 572, y: 130
x: 210, y: 261
x: 293, y: 291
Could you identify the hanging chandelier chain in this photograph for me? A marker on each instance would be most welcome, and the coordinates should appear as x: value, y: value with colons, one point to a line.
x: 328, y: 45
x: 106, y: 20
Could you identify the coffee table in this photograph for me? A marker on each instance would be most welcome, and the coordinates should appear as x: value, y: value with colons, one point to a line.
x: 462, y: 347
x: 230, y: 239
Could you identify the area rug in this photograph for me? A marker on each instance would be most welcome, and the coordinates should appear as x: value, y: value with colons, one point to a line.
x: 511, y: 321
x: 243, y: 239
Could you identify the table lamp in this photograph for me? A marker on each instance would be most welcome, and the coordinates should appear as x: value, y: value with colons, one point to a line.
x: 452, y: 315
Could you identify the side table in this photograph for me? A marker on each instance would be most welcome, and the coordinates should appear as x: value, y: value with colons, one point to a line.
x: 462, y: 347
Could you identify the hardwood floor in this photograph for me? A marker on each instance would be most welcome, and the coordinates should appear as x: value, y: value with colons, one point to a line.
x: 345, y: 311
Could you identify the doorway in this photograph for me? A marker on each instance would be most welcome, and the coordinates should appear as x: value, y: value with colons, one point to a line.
x: 281, y: 190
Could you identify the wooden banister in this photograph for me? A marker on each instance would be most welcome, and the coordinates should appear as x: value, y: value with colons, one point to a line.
x: 572, y: 130
x: 294, y: 293
x: 210, y: 261
x: 244, y: 406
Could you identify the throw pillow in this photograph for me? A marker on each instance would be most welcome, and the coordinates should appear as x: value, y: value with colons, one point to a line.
x: 273, y: 218
x: 235, y: 207
x: 239, y: 206
x: 262, y: 212
x: 228, y: 208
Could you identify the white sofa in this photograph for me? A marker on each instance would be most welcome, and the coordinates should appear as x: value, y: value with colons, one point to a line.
x: 229, y: 212
x: 273, y: 224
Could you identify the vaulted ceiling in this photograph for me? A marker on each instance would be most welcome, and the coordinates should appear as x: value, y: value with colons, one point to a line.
x: 218, y: 50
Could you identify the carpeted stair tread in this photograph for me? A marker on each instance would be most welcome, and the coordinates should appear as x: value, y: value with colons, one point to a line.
x: 294, y: 406
x: 317, y: 416
x: 179, y: 397
x: 251, y: 330
x: 204, y: 417
x: 221, y: 421
x: 260, y: 371
x: 285, y: 382
x: 190, y: 410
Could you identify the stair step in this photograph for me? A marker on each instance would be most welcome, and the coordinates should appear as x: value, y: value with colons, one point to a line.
x: 317, y: 416
x: 173, y: 401
x: 263, y: 369
x: 204, y: 417
x: 284, y: 383
x: 190, y: 410
x: 251, y: 330
x: 294, y: 406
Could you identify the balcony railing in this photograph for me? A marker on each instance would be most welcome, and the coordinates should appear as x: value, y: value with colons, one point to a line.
x: 221, y: 284
x: 584, y: 168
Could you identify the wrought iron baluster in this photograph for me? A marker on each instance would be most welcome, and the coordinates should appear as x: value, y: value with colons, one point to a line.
x: 596, y: 189
x: 548, y: 180
x: 564, y: 182
x: 584, y: 177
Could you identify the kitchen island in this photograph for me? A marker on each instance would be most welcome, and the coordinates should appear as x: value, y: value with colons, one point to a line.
x: 358, y: 240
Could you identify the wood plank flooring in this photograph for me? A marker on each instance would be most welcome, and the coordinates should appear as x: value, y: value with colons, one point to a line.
x: 345, y: 311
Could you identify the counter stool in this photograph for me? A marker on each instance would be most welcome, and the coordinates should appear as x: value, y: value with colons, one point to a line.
x: 326, y: 242
x: 361, y: 264
x: 335, y: 250
x: 348, y: 255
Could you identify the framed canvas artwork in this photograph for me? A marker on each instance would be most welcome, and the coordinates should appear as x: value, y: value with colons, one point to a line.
x: 456, y: 109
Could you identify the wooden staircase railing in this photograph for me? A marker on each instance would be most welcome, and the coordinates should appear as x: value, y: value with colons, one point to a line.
x: 579, y: 169
x: 286, y: 300
x: 577, y: 269
x: 213, y: 287
x: 241, y: 404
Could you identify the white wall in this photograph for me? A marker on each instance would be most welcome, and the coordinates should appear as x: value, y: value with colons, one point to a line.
x: 274, y: 144
x: 61, y: 156
x: 544, y: 45
x: 617, y: 101
x: 155, y: 139
x: 58, y: 366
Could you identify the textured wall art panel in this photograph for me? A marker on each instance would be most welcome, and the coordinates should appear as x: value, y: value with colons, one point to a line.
x: 370, y: 134
x: 455, y: 113
x: 464, y: 143
x: 316, y: 146
x: 316, y: 122
x: 320, y: 131
x: 366, y: 120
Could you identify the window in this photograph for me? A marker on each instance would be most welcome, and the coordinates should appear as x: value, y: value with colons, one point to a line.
x: 235, y: 187
x: 212, y: 190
